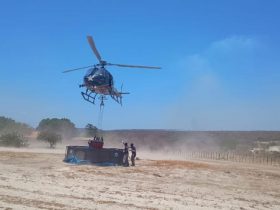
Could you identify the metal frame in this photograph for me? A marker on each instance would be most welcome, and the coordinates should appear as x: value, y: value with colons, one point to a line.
x: 88, y: 97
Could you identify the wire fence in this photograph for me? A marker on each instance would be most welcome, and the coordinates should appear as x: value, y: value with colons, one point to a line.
x: 264, y: 159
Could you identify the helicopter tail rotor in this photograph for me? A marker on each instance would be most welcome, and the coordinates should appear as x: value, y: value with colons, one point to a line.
x: 121, y: 93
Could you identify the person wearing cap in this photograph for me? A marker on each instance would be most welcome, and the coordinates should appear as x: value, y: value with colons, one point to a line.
x: 125, y: 155
x: 133, y: 154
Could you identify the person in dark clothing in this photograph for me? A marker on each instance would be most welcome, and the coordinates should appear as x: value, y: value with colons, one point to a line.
x: 125, y: 155
x: 133, y: 154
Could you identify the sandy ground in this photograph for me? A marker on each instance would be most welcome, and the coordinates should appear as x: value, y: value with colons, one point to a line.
x: 36, y: 178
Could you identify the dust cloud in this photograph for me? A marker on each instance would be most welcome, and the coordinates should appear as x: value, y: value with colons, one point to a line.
x: 166, y: 142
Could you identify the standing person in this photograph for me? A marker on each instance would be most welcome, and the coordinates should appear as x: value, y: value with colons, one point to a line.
x: 125, y: 155
x: 133, y: 154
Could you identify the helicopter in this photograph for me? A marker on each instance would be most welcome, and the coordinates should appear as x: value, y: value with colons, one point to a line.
x: 99, y: 82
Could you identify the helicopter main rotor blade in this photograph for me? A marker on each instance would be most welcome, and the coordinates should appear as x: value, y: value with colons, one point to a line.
x: 93, y: 47
x: 134, y: 66
x: 77, y: 69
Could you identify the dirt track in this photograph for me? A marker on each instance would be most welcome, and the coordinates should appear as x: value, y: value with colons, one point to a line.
x: 32, y: 180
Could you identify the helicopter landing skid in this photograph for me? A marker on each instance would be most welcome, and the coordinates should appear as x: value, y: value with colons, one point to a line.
x: 88, y: 97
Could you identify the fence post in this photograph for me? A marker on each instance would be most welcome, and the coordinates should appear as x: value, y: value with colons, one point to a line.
x: 267, y: 159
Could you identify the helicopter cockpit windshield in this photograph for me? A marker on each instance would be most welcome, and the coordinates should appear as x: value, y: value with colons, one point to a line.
x: 91, y: 71
x: 98, y: 77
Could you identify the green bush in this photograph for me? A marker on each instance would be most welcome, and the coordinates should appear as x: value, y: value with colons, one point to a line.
x: 8, y: 125
x: 50, y: 137
x: 63, y: 126
x: 13, y: 140
x: 91, y: 130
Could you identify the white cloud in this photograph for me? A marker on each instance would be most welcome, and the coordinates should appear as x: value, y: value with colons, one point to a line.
x: 234, y: 43
x: 217, y: 91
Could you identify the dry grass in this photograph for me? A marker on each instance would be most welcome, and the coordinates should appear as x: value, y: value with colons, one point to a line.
x: 42, y: 181
x: 40, y: 204
x: 14, y: 155
x: 180, y: 164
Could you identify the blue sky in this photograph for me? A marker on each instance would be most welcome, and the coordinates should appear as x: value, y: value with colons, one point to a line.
x: 220, y: 62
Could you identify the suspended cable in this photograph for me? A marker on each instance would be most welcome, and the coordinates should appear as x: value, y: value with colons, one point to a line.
x: 100, y: 119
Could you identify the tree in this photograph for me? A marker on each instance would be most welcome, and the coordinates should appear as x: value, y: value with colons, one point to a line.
x: 8, y: 125
x: 91, y: 130
x: 62, y: 126
x: 13, y: 140
x: 50, y: 137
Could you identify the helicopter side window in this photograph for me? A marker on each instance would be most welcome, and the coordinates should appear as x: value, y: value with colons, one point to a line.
x: 88, y: 72
x: 111, y: 81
